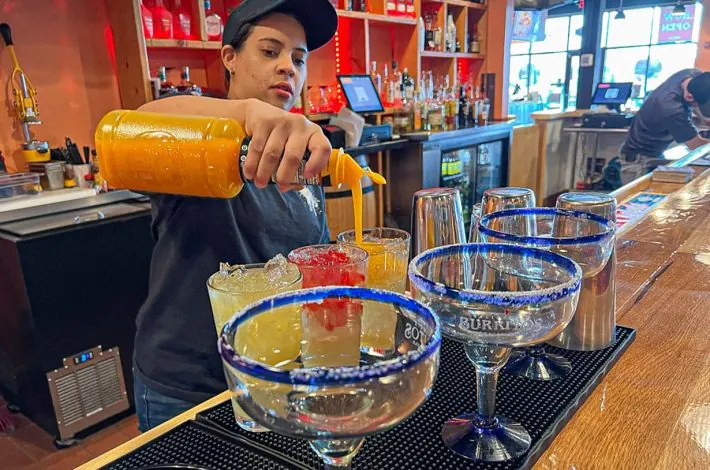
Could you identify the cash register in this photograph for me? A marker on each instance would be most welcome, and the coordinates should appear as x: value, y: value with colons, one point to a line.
x: 362, y: 98
x: 611, y: 95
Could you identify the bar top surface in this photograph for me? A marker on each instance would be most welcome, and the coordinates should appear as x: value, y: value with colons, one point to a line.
x: 652, y: 411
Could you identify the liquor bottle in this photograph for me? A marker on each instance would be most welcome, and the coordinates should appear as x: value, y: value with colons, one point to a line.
x: 147, y: 19
x: 410, y: 9
x: 401, y: 7
x: 384, y: 95
x: 451, y: 108
x: 348, y: 5
x: 213, y: 23
x: 429, y: 43
x: 376, y: 78
x: 438, y: 39
x: 417, y: 111
x: 483, y: 108
x: 472, y: 109
x: 396, y: 85
x: 402, y: 118
x: 165, y: 86
x: 463, y: 108
x: 436, y: 114
x: 475, y: 45
x: 132, y: 157
x: 162, y: 21
x: 424, y: 105
x: 391, y: 8
x: 408, y: 85
x: 451, y: 34
x: 182, y: 21
x: 186, y: 86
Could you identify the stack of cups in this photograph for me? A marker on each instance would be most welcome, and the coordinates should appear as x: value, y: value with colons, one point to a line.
x: 594, y: 324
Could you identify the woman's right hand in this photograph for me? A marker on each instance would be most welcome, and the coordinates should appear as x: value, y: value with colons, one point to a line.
x: 275, y: 133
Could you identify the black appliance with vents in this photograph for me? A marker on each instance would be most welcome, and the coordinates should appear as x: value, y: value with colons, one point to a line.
x: 74, y: 275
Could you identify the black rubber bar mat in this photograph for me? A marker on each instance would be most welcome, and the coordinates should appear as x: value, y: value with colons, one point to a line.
x: 194, y: 445
x: 542, y: 407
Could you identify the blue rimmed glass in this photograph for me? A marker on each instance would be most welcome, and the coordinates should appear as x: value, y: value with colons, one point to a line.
x: 491, y: 298
x: 335, y: 406
x: 586, y: 238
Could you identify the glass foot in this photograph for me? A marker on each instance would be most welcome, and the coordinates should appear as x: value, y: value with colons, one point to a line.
x: 337, y: 453
x: 498, y: 441
x: 538, y: 365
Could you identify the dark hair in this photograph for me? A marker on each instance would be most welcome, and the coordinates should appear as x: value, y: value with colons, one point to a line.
x: 240, y: 37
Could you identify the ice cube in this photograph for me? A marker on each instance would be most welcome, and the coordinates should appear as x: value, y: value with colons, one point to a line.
x: 279, y: 272
x: 229, y: 276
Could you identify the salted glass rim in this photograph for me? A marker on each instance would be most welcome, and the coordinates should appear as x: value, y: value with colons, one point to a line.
x: 322, y: 375
x: 381, y: 241
x: 356, y: 255
x: 547, y: 241
x: 210, y: 280
x: 498, y: 298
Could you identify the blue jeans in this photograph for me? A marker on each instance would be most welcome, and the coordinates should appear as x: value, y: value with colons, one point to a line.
x: 154, y: 408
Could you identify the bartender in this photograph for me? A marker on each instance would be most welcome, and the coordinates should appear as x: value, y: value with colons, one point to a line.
x: 265, y: 51
x: 666, y: 116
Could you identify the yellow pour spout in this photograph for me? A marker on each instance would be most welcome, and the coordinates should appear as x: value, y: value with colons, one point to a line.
x: 343, y: 169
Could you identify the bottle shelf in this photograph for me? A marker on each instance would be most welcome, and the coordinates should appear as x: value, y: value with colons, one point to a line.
x: 459, y: 3
x: 182, y: 44
x: 451, y: 55
x: 376, y: 18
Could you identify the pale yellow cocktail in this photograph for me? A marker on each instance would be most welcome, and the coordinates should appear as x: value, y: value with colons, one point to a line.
x: 235, y: 287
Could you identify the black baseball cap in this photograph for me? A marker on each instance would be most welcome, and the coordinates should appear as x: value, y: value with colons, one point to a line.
x: 699, y: 87
x: 318, y: 18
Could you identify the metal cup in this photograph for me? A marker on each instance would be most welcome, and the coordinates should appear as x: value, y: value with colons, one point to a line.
x: 498, y: 199
x: 594, y: 324
x: 437, y: 219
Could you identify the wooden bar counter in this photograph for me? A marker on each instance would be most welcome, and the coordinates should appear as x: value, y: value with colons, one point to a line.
x: 652, y: 411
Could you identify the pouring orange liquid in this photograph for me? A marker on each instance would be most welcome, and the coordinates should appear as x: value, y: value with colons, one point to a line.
x: 197, y: 156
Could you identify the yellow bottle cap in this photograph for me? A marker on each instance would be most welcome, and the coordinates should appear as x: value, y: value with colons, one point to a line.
x: 343, y: 168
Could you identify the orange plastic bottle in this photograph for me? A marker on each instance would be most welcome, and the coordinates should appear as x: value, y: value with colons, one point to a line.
x: 191, y: 155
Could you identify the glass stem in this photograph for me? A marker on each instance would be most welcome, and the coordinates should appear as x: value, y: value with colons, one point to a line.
x: 486, y: 383
x: 489, y: 360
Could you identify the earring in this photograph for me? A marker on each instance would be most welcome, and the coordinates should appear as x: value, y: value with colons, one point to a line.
x: 231, y: 72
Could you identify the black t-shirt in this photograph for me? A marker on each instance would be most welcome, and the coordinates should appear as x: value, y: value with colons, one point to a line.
x: 663, y: 118
x: 176, y: 341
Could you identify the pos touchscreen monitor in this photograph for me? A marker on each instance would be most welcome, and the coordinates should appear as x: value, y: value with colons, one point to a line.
x: 360, y: 93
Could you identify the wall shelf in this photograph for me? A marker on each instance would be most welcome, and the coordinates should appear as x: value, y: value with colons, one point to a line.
x: 391, y: 19
x: 451, y: 55
x: 182, y: 44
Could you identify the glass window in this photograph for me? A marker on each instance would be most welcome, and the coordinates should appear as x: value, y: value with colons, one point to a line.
x: 634, y: 30
x: 575, y: 32
x: 650, y: 45
x: 605, y: 27
x: 519, y: 47
x: 547, y: 77
x: 556, y: 34
x: 626, y: 65
x: 669, y: 29
x: 518, y: 81
x: 667, y: 59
